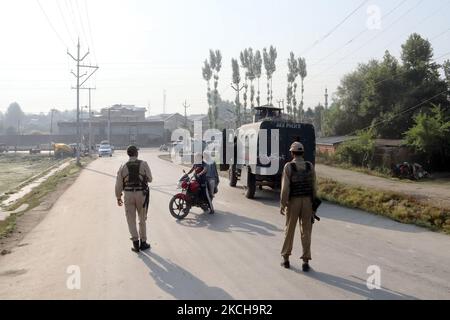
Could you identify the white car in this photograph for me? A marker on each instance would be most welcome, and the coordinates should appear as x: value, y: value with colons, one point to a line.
x: 105, y: 150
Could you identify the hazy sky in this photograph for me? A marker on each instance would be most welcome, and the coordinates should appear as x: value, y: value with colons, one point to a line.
x: 144, y: 47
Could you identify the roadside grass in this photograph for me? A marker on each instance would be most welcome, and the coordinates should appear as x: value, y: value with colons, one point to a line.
x: 16, y: 169
x: 36, y: 196
x: 395, y: 206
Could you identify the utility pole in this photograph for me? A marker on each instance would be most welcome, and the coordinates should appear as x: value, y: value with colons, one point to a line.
x: 238, y: 101
x: 185, y: 106
x: 51, y: 129
x: 77, y: 75
x: 90, y: 118
x: 326, y: 98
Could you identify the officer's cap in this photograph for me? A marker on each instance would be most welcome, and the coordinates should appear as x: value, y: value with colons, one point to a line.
x: 132, y: 150
x: 297, y: 147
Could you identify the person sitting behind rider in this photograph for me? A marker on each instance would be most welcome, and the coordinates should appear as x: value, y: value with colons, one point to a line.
x: 200, y: 168
x: 212, y: 176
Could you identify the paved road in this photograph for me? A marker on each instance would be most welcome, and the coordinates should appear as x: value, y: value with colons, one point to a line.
x: 233, y: 254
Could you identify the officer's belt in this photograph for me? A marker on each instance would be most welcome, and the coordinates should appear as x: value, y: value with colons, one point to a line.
x: 134, y: 189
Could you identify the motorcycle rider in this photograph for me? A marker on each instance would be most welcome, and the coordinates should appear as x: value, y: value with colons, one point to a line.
x: 201, y: 169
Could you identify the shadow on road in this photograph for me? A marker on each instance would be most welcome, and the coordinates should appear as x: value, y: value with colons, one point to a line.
x: 359, y: 288
x: 230, y: 222
x: 178, y: 282
x: 336, y: 212
x: 101, y: 173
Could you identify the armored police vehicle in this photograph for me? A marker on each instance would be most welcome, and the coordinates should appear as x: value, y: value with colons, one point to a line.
x: 256, y: 153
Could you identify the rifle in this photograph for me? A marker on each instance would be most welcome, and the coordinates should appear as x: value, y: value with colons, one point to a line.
x: 316, y: 204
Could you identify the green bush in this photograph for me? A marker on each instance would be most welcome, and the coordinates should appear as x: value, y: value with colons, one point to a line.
x: 358, y: 151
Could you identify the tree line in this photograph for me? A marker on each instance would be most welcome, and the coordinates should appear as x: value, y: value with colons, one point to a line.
x: 248, y: 85
x: 16, y: 121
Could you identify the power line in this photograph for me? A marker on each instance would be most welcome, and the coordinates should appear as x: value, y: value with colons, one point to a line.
x: 90, y: 30
x: 358, y: 35
x: 65, y: 23
x: 372, y: 39
x: 439, y: 10
x: 400, y: 113
x: 51, y: 25
x: 69, y: 6
x: 329, y: 33
x: 81, y: 23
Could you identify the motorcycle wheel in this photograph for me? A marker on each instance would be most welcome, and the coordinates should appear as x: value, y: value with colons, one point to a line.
x: 178, y: 208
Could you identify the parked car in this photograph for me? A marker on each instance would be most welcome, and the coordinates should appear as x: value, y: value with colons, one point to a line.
x: 36, y: 150
x: 105, y: 150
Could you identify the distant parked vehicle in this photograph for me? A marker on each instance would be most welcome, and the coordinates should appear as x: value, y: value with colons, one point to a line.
x: 105, y: 150
x: 3, y: 148
x: 36, y: 150
x: 62, y: 150
x: 164, y: 148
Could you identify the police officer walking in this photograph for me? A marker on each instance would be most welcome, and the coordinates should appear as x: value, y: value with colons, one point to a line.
x: 297, y: 193
x: 132, y: 180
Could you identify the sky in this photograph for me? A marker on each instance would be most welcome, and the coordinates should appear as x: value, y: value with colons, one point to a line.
x: 146, y: 47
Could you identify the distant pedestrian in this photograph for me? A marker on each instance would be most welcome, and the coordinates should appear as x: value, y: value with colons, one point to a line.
x: 297, y: 194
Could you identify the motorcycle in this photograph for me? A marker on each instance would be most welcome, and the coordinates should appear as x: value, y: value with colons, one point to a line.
x: 191, y: 196
x: 409, y: 171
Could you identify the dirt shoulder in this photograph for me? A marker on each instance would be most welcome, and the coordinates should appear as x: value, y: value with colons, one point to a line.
x: 43, y: 199
x: 435, y: 193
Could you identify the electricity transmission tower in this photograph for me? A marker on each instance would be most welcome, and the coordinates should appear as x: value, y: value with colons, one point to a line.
x: 78, y: 76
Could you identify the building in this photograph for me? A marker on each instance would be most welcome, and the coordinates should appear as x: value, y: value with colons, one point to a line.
x: 203, y: 118
x: 123, y: 113
x: 172, y: 121
x: 330, y: 144
x: 122, y: 125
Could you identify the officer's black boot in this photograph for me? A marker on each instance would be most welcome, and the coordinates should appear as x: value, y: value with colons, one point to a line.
x: 305, y: 266
x: 135, y: 246
x: 285, y: 263
x: 144, y: 245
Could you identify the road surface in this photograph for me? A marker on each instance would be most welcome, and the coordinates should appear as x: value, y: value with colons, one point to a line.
x: 231, y: 255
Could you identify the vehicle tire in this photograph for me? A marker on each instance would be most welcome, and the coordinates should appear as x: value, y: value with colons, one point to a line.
x: 178, y: 208
x: 251, y: 186
x: 233, y: 177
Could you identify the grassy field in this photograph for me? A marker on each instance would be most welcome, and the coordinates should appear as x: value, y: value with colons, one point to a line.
x: 398, y: 207
x: 34, y: 198
x: 17, y: 168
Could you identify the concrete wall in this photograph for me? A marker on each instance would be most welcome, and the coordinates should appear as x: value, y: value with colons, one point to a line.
x: 120, y: 141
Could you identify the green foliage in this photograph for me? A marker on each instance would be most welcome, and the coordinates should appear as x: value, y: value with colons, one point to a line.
x: 269, y: 59
x: 358, y: 151
x: 388, y: 93
x: 211, y: 70
x: 430, y: 135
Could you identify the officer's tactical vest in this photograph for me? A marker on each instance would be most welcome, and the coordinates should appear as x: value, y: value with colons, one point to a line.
x: 301, y: 181
x: 134, y: 180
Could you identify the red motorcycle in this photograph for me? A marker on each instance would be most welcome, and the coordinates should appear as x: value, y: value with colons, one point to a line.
x: 191, y: 196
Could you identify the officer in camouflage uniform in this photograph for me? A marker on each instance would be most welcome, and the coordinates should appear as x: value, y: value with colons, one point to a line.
x: 297, y: 193
x: 132, y: 180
